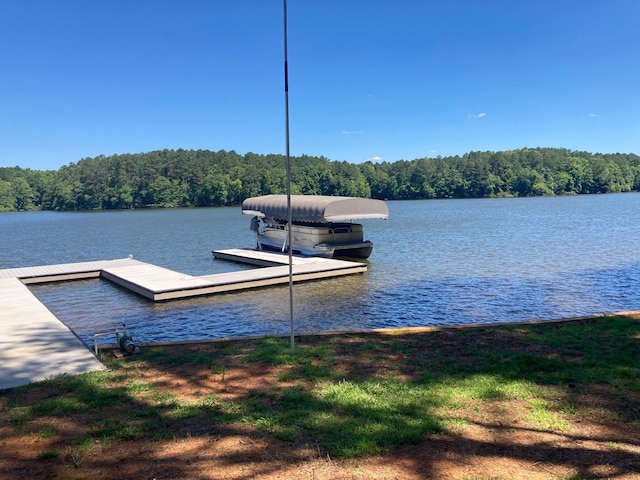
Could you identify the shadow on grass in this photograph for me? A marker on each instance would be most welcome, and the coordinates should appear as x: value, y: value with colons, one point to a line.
x: 351, y: 395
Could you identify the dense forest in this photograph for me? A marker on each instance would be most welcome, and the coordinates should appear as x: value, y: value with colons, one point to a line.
x: 202, y: 178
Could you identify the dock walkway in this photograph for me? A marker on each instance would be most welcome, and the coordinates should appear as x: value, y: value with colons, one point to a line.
x: 35, y: 345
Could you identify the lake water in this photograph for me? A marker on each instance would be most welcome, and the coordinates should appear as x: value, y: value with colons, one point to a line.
x: 434, y: 263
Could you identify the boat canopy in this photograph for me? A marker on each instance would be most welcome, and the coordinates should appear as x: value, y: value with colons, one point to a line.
x: 315, y: 208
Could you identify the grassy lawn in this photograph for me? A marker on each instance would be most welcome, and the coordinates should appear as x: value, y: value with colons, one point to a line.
x: 350, y: 397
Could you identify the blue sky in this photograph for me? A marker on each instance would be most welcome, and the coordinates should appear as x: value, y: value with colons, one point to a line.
x: 368, y: 79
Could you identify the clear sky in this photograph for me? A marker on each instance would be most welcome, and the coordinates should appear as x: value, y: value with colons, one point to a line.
x: 379, y: 80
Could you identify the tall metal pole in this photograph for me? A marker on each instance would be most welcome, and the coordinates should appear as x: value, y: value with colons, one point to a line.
x: 288, y: 165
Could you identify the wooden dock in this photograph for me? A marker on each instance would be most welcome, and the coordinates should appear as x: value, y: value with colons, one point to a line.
x: 35, y: 345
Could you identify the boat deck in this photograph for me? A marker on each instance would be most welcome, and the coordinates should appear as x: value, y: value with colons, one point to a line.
x: 36, y: 345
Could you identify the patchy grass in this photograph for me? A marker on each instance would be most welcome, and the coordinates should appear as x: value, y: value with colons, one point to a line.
x: 352, y: 396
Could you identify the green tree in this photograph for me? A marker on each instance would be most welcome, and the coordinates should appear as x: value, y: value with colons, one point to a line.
x: 7, y: 198
x: 216, y: 190
x: 167, y: 193
x: 23, y: 194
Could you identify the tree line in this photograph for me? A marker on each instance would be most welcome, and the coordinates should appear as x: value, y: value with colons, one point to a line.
x: 203, y: 178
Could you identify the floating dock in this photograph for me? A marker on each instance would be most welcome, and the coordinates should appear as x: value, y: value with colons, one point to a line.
x: 157, y: 283
x: 63, y: 272
x: 35, y: 345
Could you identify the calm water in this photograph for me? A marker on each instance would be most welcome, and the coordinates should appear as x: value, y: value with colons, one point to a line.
x: 434, y: 263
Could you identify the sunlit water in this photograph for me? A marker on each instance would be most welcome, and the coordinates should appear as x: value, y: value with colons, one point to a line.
x: 434, y: 263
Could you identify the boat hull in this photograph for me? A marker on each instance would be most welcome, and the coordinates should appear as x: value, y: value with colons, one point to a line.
x: 312, y: 239
x: 361, y: 250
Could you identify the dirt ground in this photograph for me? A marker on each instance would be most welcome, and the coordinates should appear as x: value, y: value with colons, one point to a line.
x: 496, y: 442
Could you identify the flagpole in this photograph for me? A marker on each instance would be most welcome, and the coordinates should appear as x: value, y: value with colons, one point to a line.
x: 288, y: 166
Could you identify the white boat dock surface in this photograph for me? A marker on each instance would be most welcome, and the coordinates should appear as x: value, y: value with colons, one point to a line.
x: 67, y: 271
x: 157, y: 283
x: 35, y: 345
